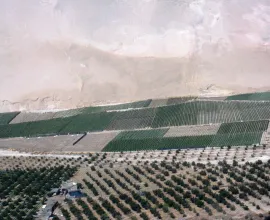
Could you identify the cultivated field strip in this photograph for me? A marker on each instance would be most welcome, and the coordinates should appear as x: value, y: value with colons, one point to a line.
x: 210, y: 112
x: 158, y: 143
x: 240, y: 133
x: 132, y: 105
x: 158, y: 102
x: 265, y: 138
x: 140, y: 118
x: 192, y: 130
x: 141, y: 134
x: 38, y: 116
x: 32, y: 116
x: 5, y: 118
x: 242, y: 127
x: 67, y: 113
x: 40, y: 144
x: 218, y: 98
x: 34, y: 129
x: 179, y: 100
x: 236, y: 139
x: 260, y: 96
x: 88, y: 122
x: 92, y: 142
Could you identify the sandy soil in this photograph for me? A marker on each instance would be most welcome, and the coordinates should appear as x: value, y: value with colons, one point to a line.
x: 64, y: 54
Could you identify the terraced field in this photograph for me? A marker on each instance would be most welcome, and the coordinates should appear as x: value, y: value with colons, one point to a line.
x: 154, y: 140
x: 158, y: 102
x: 132, y: 105
x: 34, y: 129
x: 141, y: 134
x: 179, y: 100
x: 158, y: 143
x: 88, y: 122
x: 210, y: 112
x: 92, y: 142
x: 241, y: 127
x: 32, y: 116
x: 134, y: 119
x: 188, y: 124
x: 240, y: 133
x: 192, y: 130
x: 226, y: 134
x: 5, y: 118
x: 260, y: 96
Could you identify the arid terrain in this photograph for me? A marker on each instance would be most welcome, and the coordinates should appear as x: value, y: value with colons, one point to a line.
x: 134, y: 109
x: 57, y: 54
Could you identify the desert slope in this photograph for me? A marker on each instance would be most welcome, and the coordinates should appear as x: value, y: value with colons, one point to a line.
x: 63, y: 54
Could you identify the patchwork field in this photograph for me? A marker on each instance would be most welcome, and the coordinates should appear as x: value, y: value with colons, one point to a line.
x: 173, y: 123
x: 189, y: 113
x: 181, y: 137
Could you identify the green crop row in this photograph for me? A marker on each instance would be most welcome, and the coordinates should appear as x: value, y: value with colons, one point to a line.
x: 243, y: 127
x: 179, y: 100
x: 236, y: 139
x: 139, y: 104
x: 158, y: 143
x: 251, y: 96
x: 207, y: 112
x: 88, y: 122
x: 141, y: 134
x: 33, y: 129
x: 5, y: 118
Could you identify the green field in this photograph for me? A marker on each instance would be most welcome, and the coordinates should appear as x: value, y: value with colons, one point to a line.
x: 12, y: 130
x: 88, y: 122
x: 5, y: 118
x: 242, y: 127
x: 207, y: 112
x: 134, y: 119
x: 158, y: 143
x: 236, y: 139
x: 240, y: 133
x: 260, y: 96
x: 141, y: 134
x: 34, y: 129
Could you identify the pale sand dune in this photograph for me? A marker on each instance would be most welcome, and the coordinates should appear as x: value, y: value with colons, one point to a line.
x: 57, y: 54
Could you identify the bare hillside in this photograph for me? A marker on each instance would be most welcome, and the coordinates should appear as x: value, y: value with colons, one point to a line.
x: 66, y: 53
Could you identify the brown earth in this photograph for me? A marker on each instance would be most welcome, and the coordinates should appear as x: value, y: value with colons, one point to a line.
x: 65, y: 54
